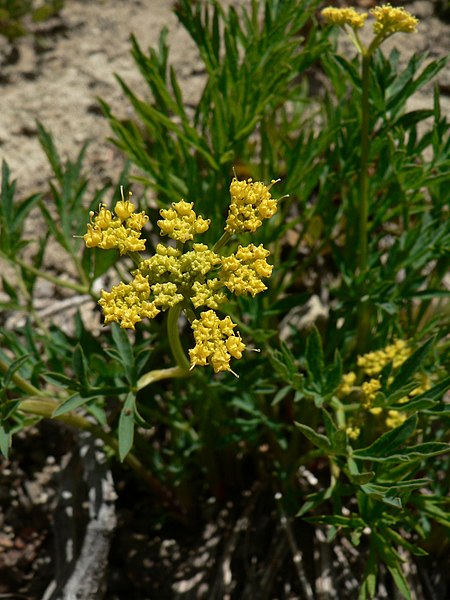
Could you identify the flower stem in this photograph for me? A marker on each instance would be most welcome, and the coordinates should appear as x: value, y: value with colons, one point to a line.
x: 45, y: 407
x: 174, y: 338
x: 363, y: 216
x: 76, y: 287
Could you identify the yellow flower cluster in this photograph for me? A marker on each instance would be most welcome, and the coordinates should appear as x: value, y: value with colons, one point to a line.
x: 121, y: 231
x: 251, y: 202
x: 344, y: 16
x: 395, y: 418
x: 373, y: 363
x: 347, y: 383
x: 194, y: 277
x: 241, y: 272
x: 353, y: 432
x: 389, y: 20
x: 128, y: 304
x: 215, y: 342
x: 181, y: 223
x: 370, y: 389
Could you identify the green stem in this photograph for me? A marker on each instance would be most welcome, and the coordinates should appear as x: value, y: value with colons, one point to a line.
x: 81, y: 289
x: 158, y: 374
x: 174, y: 338
x: 363, y: 216
x: 221, y: 241
x: 21, y: 383
x: 45, y: 407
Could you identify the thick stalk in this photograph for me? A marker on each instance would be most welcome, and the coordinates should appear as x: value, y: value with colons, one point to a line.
x: 45, y: 407
x: 363, y: 326
x: 40, y: 405
x: 174, y: 338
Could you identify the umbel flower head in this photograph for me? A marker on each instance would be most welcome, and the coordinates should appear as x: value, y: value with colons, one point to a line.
x: 371, y: 365
x: 121, y: 230
x: 387, y: 21
x: 191, y: 276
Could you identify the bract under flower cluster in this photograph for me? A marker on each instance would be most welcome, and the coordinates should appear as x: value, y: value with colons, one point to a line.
x: 196, y: 278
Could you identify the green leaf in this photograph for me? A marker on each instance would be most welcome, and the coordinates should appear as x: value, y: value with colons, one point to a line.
x: 401, y: 541
x: 400, y: 580
x: 383, y: 494
x: 319, y: 440
x: 80, y: 366
x: 314, y: 355
x: 5, y: 441
x: 389, y: 441
x: 418, y: 452
x: 337, y: 521
x: 13, y: 368
x: 126, y: 426
x: 369, y: 584
x: 410, y: 366
x: 73, y: 402
x: 125, y: 352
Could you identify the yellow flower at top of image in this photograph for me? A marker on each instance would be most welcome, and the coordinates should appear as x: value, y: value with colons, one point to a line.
x: 251, y: 203
x: 181, y: 223
x: 121, y: 230
x: 344, y: 16
x: 389, y: 20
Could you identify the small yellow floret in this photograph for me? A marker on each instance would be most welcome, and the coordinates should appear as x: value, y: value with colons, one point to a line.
x: 395, y: 418
x: 347, y: 382
x: 389, y: 20
x: 122, y: 231
x: 250, y: 204
x: 181, y: 223
x: 215, y: 342
x: 241, y: 272
x: 370, y: 389
x: 373, y: 362
x: 353, y: 432
x: 128, y: 304
x: 344, y: 16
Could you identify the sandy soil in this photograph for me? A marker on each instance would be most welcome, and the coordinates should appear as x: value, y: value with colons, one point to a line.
x: 78, y: 53
x: 59, y: 85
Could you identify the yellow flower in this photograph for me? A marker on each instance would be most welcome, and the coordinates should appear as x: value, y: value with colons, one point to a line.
x: 353, y: 432
x: 215, y: 342
x: 250, y: 204
x: 395, y: 418
x: 122, y: 231
x: 344, y: 16
x: 181, y: 223
x: 207, y: 294
x: 241, y: 272
x: 128, y: 304
x: 347, y: 382
x: 373, y: 362
x: 389, y: 20
x: 370, y: 389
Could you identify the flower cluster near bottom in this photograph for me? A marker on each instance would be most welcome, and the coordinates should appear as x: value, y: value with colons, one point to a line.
x: 193, y: 276
x: 371, y: 365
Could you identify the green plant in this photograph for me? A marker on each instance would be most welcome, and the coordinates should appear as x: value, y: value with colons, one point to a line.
x: 356, y: 397
x: 14, y: 14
